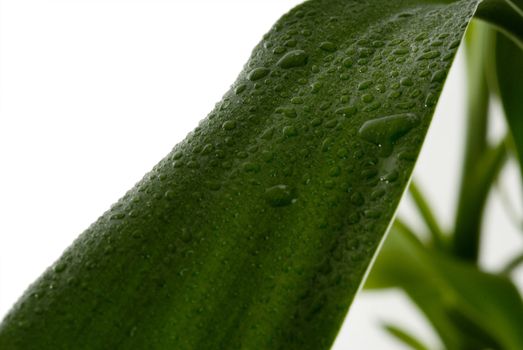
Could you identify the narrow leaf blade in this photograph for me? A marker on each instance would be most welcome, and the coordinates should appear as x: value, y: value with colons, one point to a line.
x: 405, y: 337
x: 509, y: 69
x: 446, y: 289
x: 505, y: 15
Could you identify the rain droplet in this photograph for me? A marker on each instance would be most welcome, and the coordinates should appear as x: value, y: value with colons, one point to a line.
x: 239, y: 89
x: 279, y: 196
x: 429, y: 55
x: 400, y: 52
x: 384, y: 131
x: 367, y: 98
x: 364, y: 84
x: 59, y: 267
x: 229, y: 125
x: 258, y: 73
x: 438, y: 76
x: 295, y: 58
x: 328, y: 46
x: 289, y: 112
x: 348, y: 62
x: 347, y: 111
x: 407, y: 81
x: 290, y: 131
x: 251, y: 167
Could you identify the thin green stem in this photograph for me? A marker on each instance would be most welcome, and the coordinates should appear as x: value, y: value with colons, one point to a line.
x: 512, y: 264
x: 513, y: 216
x: 470, y: 211
x: 427, y: 214
x: 405, y: 337
x: 468, y: 221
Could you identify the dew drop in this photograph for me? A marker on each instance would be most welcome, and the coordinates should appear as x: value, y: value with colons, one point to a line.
x: 279, y: 196
x: 407, y: 81
x: 295, y: 58
x: 390, y: 177
x: 258, y: 73
x: 335, y: 171
x: 59, y: 267
x: 400, y: 52
x: 438, y: 76
x: 331, y: 123
x: 289, y: 112
x: 328, y: 46
x: 367, y: 98
x: 431, y: 99
x: 364, y: 84
x: 347, y: 111
x: 316, y: 121
x: 229, y: 125
x: 348, y: 62
x: 384, y: 131
x: 267, y: 134
x: 357, y: 199
x: 251, y: 167
x: 371, y: 213
x: 290, y: 131
x: 429, y: 55
x: 239, y: 89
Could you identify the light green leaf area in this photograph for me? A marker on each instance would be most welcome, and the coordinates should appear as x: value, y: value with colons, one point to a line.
x: 509, y: 69
x: 405, y: 337
x: 256, y: 231
x: 467, y: 307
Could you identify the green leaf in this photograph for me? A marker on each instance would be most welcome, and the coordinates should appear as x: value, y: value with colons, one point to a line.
x: 473, y: 193
x: 505, y: 15
x: 256, y: 231
x: 509, y: 69
x: 405, y: 337
x: 426, y: 212
x: 464, y: 304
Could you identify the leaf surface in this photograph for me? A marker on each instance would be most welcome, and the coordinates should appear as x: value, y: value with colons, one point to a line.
x: 257, y: 230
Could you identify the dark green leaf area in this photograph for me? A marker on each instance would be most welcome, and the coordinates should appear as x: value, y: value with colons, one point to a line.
x: 255, y: 232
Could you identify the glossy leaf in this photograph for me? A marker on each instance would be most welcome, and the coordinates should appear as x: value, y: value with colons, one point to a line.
x: 509, y: 69
x: 464, y: 304
x: 256, y: 231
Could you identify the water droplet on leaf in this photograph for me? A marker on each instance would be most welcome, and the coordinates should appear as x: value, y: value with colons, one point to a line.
x: 279, y: 196
x: 295, y: 58
x: 386, y: 130
x: 258, y: 73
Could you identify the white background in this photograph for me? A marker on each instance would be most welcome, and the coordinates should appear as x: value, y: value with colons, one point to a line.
x: 94, y: 93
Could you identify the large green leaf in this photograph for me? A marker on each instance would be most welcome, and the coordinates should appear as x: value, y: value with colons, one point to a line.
x: 466, y: 306
x: 256, y: 231
x: 509, y: 68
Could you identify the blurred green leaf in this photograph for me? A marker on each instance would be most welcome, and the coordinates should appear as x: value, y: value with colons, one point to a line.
x: 509, y: 68
x: 505, y: 15
x: 426, y: 212
x: 467, y: 226
x: 513, y: 264
x: 477, y: 337
x: 405, y: 337
x: 443, y: 287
